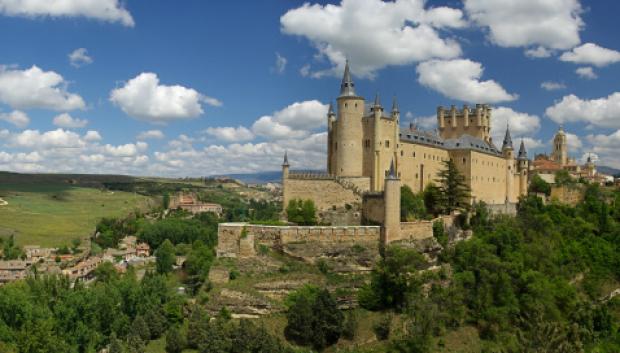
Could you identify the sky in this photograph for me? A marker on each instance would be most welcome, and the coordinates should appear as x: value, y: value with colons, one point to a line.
x: 196, y: 88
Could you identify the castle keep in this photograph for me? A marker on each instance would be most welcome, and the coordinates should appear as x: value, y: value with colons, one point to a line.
x: 364, y: 140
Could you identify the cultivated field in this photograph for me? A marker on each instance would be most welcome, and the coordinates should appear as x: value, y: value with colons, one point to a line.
x: 51, y: 213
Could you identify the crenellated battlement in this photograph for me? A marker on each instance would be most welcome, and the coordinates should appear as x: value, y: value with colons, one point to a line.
x: 453, y: 122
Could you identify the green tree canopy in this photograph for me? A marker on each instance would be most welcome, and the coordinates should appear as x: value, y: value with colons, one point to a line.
x: 455, y: 193
x: 165, y: 257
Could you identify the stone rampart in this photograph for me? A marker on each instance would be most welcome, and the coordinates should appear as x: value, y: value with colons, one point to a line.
x: 567, y: 194
x: 333, y: 194
x: 412, y: 231
x: 373, y: 208
x: 241, y: 239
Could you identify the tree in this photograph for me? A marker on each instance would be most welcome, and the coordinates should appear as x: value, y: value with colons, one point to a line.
x: 455, y: 193
x: 411, y: 205
x: 115, y: 345
x: 140, y: 328
x: 175, y: 340
x: 539, y: 185
x: 314, y: 320
x: 166, y: 201
x: 165, y: 257
x: 562, y: 177
x: 432, y: 199
x: 301, y: 212
x: 197, y: 327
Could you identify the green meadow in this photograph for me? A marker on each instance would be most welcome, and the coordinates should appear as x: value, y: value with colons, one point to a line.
x: 53, y: 213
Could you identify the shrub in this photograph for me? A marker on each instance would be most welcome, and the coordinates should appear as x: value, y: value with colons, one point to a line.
x: 382, y: 327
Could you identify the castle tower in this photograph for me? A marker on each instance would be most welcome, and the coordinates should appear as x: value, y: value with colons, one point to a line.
x: 285, y: 171
x: 508, y: 153
x: 391, y: 216
x: 453, y: 123
x: 349, y: 133
x: 522, y: 168
x: 560, y: 147
x: 396, y: 117
x: 331, y: 122
x: 377, y: 111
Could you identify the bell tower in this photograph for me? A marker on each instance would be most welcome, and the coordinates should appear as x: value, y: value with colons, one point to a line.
x: 560, y: 147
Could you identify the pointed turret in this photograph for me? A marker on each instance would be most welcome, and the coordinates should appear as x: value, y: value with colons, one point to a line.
x: 330, y: 111
x: 522, y: 152
x: 394, y: 105
x: 347, y: 87
x: 507, y: 139
x: 392, y: 172
x: 376, y: 106
x: 285, y: 163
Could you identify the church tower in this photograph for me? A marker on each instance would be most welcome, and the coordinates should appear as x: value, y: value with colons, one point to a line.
x: 508, y: 153
x: 560, y: 147
x: 347, y: 144
x: 523, y: 169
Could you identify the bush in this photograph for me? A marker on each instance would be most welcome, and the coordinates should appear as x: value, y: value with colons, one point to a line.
x: 382, y: 327
x: 351, y: 323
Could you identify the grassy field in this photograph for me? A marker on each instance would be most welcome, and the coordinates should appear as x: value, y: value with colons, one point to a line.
x: 53, y: 213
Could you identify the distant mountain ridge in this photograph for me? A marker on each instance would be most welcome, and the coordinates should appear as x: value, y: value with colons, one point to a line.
x: 260, y: 177
x: 607, y: 170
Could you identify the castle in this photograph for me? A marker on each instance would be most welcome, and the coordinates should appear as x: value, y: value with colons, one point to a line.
x: 368, y: 151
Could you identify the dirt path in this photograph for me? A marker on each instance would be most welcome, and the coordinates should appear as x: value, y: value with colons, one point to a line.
x: 3, y: 203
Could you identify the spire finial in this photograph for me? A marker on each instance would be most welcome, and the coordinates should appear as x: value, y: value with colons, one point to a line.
x: 377, y: 100
x: 394, y: 105
x: 330, y: 111
x: 507, y: 138
x: 522, y: 151
x: 347, y: 87
x: 285, y: 163
x: 392, y: 172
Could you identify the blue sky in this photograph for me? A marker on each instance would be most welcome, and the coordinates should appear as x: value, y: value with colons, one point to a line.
x: 189, y: 88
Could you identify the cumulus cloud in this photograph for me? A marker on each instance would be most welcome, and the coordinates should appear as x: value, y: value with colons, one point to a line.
x: 92, y: 136
x: 67, y: 121
x: 552, y: 86
x: 538, y: 52
x: 58, y: 138
x: 280, y: 65
x: 374, y: 33
x: 601, y: 112
x: 605, y: 147
x: 150, y: 134
x: 79, y: 57
x: 591, y: 54
x: 35, y: 88
x: 550, y: 24
x: 521, y: 124
x: 460, y: 79
x: 573, y: 142
x: 587, y: 73
x: 127, y: 150
x: 17, y: 118
x: 294, y: 121
x: 144, y: 98
x: 231, y: 134
x: 103, y: 10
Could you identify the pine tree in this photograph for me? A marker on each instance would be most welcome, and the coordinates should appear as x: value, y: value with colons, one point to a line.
x: 455, y: 193
x: 140, y: 328
x: 165, y: 257
x: 175, y: 340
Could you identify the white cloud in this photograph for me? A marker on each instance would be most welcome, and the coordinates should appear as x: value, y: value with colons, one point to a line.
x: 573, y: 142
x: 67, y: 121
x: 231, y: 134
x: 294, y: 121
x: 79, y: 57
x: 17, y: 118
x: 374, y: 33
x: 552, y: 86
x: 35, y: 88
x: 145, y: 99
x: 460, y: 79
x: 127, y: 150
x: 531, y: 144
x: 538, y: 52
x: 104, y: 10
x: 281, y: 62
x: 58, y: 138
x: 591, y: 54
x: 550, y: 24
x: 521, y: 124
x: 150, y: 134
x: 605, y: 147
x: 586, y: 72
x: 602, y: 112
x: 92, y: 136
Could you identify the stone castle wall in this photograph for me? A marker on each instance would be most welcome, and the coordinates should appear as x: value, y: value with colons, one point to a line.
x: 570, y: 195
x: 241, y: 239
x: 373, y: 208
x: 326, y: 191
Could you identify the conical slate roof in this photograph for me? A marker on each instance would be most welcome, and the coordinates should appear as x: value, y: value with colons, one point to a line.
x: 507, y: 139
x: 522, y: 151
x: 394, y: 105
x: 392, y: 172
x: 285, y: 163
x: 347, y: 87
